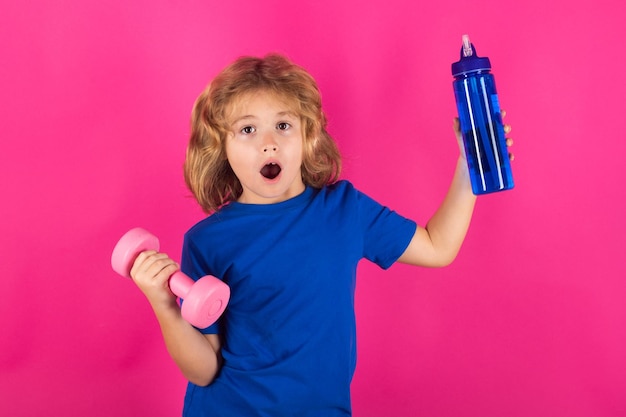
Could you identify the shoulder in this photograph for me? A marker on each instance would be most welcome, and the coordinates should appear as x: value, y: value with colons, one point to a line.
x: 335, y: 196
x: 209, y: 226
x: 346, y: 192
x: 344, y: 199
x: 341, y: 185
x: 340, y: 190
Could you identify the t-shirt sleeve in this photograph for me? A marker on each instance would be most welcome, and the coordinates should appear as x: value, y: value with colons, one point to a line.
x: 386, y: 233
x: 193, y: 266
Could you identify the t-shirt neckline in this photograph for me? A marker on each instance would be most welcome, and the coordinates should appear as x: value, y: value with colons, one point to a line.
x: 273, y: 207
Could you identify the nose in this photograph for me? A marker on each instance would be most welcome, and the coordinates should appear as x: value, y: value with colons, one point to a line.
x: 269, y: 143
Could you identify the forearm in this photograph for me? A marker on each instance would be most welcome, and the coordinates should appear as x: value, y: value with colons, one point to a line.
x: 197, y: 355
x: 198, y: 359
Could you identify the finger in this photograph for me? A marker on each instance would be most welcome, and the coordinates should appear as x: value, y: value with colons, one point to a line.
x: 151, y: 264
x: 507, y: 129
x: 456, y: 124
x: 157, y: 263
x: 503, y: 113
x: 511, y: 157
x: 509, y: 142
x: 140, y: 260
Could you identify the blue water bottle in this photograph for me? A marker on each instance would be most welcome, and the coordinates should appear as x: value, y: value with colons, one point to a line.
x: 481, y: 122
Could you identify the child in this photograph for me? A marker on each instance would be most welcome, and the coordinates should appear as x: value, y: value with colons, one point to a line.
x: 286, y: 235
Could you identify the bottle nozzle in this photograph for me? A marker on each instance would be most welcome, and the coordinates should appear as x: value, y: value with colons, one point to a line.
x: 469, y: 61
x: 467, y: 46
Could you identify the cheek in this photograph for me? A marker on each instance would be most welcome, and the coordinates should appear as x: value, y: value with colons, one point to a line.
x: 233, y: 155
x: 241, y: 157
x: 225, y: 147
x: 307, y: 151
x: 297, y: 154
x: 234, y: 149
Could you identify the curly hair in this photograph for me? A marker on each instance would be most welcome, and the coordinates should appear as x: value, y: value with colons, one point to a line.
x: 207, y: 171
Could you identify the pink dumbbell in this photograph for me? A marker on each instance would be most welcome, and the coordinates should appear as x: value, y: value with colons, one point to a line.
x: 204, y: 300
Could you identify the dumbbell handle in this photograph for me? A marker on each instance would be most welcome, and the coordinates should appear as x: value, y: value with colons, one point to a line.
x: 180, y: 284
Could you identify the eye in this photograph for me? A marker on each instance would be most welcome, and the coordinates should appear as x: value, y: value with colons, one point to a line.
x: 283, y: 126
x: 247, y: 130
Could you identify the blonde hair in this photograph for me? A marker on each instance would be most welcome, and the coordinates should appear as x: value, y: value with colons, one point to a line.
x: 207, y: 171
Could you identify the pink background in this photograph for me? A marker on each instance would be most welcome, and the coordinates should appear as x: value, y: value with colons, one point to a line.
x: 529, y: 321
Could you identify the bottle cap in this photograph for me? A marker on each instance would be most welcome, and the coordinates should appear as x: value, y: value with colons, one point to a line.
x: 469, y: 61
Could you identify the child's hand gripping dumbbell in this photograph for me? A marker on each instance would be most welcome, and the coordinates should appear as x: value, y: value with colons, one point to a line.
x: 203, y: 300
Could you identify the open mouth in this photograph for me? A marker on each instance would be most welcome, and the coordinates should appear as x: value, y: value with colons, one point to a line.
x: 270, y: 171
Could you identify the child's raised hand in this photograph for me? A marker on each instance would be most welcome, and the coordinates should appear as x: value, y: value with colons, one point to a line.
x: 151, y: 272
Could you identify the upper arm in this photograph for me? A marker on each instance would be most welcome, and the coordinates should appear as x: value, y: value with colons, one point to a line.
x: 422, y: 252
x: 202, y: 371
x: 216, y: 343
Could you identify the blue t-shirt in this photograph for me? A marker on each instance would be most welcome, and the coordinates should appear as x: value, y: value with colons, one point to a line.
x: 289, y: 332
